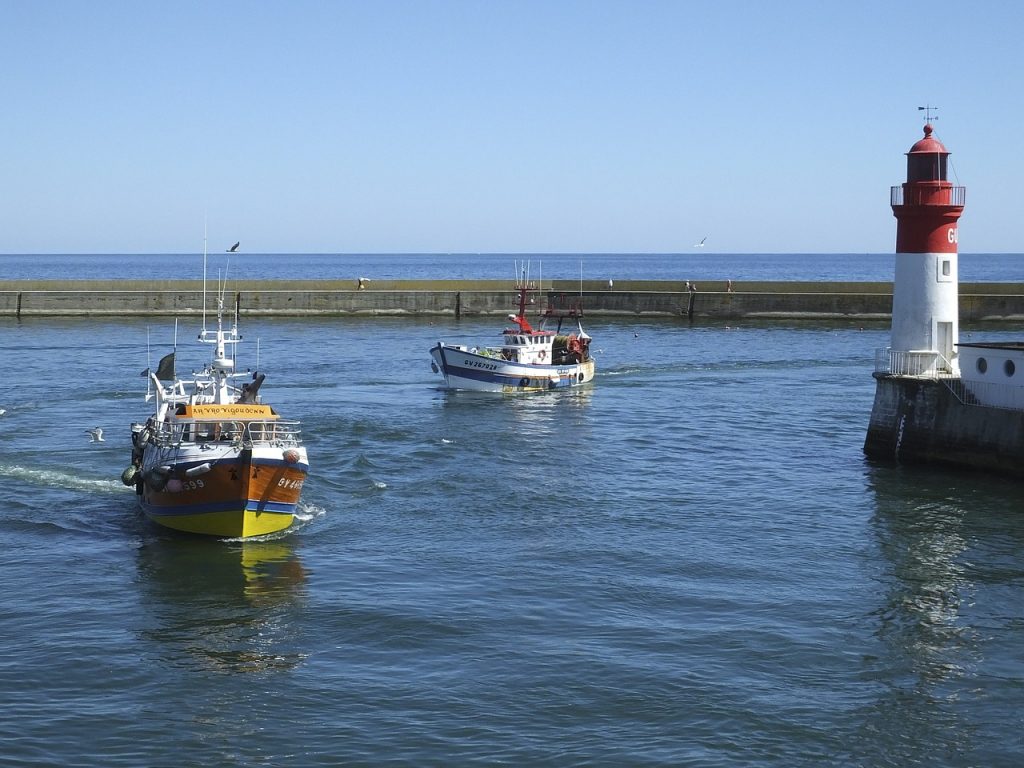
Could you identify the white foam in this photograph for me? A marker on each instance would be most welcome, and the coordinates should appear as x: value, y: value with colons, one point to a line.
x: 56, y: 479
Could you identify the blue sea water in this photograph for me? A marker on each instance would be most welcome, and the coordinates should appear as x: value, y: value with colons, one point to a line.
x: 688, y: 563
x: 702, y: 266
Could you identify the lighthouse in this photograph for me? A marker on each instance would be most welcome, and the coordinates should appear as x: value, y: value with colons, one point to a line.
x: 925, y: 309
x: 939, y: 400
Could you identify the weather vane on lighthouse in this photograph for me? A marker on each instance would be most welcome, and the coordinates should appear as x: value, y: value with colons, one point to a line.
x: 928, y: 109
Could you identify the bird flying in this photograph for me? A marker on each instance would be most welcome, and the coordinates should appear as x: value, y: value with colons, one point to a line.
x: 700, y: 244
x: 97, y: 435
x: 234, y: 247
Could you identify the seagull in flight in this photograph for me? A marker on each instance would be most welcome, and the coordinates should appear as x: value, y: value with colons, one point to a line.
x: 97, y: 435
x: 700, y: 244
x: 234, y: 247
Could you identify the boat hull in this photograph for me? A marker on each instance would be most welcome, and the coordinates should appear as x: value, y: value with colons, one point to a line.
x: 237, y: 493
x: 466, y: 370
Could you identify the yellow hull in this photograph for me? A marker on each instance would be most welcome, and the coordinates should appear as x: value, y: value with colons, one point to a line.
x: 230, y: 524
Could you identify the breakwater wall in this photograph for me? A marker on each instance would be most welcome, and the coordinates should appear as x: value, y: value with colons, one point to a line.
x: 979, y: 302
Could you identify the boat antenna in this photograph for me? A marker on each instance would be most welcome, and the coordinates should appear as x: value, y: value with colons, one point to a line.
x: 204, y: 274
x: 149, y: 367
x: 234, y: 320
x: 581, y: 278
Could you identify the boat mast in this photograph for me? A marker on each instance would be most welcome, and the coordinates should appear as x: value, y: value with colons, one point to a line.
x: 204, y: 275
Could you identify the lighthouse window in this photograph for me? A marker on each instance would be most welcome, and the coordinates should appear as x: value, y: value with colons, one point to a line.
x: 945, y: 267
x: 1009, y: 367
x: 982, y: 365
x: 926, y: 166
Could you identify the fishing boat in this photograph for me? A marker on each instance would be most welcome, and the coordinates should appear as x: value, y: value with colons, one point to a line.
x: 214, y: 458
x: 530, y: 359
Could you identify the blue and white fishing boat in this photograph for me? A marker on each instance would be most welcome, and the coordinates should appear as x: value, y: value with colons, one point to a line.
x: 530, y: 359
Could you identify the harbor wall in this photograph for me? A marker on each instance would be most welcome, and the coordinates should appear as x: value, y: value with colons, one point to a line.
x: 917, y: 420
x: 979, y: 302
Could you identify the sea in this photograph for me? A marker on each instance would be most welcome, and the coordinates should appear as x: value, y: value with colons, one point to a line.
x: 689, y: 562
x: 712, y: 268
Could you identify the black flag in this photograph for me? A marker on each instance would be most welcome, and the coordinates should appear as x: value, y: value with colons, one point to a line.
x: 165, y: 370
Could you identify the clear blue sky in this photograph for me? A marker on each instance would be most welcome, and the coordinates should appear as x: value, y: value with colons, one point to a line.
x: 518, y: 126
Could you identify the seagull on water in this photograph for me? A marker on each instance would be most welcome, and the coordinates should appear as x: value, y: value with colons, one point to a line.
x: 234, y: 247
x: 97, y: 435
x: 700, y: 244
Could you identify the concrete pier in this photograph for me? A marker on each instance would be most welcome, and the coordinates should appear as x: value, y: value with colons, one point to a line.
x: 979, y: 302
x: 921, y: 420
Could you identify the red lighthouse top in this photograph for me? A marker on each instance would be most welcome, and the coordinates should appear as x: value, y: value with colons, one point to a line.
x: 927, y: 206
x: 926, y: 160
x: 928, y: 144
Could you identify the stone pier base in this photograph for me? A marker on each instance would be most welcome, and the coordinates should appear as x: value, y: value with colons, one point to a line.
x: 920, y: 420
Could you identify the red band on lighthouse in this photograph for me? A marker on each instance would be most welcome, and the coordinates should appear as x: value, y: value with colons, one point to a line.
x: 933, y: 232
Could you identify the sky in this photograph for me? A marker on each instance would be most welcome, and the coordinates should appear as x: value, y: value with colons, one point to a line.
x: 548, y: 126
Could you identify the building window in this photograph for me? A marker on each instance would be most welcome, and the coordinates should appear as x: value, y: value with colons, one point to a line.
x: 945, y: 267
x: 1009, y: 368
x: 982, y: 365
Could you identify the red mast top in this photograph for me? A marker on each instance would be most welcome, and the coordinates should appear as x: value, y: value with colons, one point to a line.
x: 520, y: 319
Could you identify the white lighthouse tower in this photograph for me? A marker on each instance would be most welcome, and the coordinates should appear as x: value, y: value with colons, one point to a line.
x: 925, y: 311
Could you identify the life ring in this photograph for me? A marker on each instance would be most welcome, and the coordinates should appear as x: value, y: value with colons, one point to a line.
x: 542, y: 354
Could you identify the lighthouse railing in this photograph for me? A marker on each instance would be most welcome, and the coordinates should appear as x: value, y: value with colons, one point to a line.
x: 913, y: 362
x: 930, y: 195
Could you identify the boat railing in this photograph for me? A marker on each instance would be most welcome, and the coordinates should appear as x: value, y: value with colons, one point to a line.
x: 269, y: 431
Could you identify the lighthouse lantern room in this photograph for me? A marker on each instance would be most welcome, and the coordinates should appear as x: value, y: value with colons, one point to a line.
x: 925, y: 312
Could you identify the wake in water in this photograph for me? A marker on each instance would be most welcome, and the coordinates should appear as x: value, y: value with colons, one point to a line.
x: 51, y: 478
